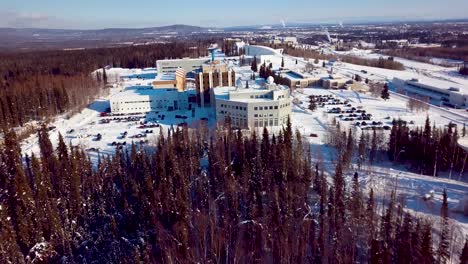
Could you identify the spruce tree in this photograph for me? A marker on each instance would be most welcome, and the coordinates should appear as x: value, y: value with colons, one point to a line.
x: 385, y: 93
x: 20, y: 200
x: 254, y: 66
x: 104, y: 75
x: 444, y: 243
x: 464, y: 253
x: 427, y: 252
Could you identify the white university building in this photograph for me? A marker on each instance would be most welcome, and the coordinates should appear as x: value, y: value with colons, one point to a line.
x: 268, y: 105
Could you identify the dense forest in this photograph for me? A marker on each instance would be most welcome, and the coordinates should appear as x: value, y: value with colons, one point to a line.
x: 204, y: 197
x: 40, y: 84
x: 429, y: 149
x: 425, y: 54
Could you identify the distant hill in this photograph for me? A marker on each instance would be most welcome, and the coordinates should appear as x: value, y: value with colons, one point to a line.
x: 30, y: 38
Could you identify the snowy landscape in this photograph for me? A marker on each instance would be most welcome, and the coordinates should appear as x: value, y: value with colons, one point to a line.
x: 264, y: 144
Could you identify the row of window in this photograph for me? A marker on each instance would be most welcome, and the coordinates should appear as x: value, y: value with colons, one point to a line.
x: 259, y: 96
x: 263, y: 115
x: 243, y: 108
x: 266, y: 122
x: 261, y: 108
x: 231, y: 114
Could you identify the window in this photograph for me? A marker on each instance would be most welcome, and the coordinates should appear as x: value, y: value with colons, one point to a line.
x: 255, y: 108
x: 255, y: 115
x: 271, y: 107
x: 276, y: 107
x: 261, y: 107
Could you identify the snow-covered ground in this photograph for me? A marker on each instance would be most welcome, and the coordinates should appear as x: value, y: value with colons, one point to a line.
x: 385, y: 176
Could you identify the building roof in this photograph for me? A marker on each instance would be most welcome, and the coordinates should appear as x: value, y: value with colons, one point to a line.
x: 442, y: 84
x: 224, y: 93
x: 133, y: 92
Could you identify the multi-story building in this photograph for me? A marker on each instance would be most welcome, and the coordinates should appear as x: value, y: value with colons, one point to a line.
x: 260, y: 106
x: 212, y: 75
x: 147, y: 99
x: 171, y: 66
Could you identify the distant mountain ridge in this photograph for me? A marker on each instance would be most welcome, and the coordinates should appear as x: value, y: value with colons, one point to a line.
x: 49, y: 38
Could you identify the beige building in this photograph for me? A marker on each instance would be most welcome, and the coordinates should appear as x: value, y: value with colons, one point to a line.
x: 300, y: 80
x: 213, y: 75
x: 177, y: 80
x: 335, y: 82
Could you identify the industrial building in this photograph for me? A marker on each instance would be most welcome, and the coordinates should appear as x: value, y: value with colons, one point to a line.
x: 438, y: 92
x: 214, y: 74
x: 171, y: 66
x: 256, y: 107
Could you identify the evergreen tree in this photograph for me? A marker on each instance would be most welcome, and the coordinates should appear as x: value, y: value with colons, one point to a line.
x: 464, y: 253
x: 104, y: 75
x: 427, y: 253
x: 254, y: 65
x: 20, y: 200
x: 362, y: 150
x: 385, y: 93
x: 373, y: 150
x: 444, y: 243
x: 312, y: 105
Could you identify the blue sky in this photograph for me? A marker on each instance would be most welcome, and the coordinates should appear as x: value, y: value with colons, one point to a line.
x: 87, y: 14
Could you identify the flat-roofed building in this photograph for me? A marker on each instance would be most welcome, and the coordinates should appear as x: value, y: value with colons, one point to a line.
x: 300, y: 80
x: 439, y: 92
x: 335, y: 82
x: 256, y: 107
x: 146, y: 99
x: 176, y: 80
x: 171, y: 66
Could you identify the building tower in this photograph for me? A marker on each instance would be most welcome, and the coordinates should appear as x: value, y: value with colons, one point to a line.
x: 211, y: 50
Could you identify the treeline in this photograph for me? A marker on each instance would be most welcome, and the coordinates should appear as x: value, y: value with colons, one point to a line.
x: 428, y: 150
x: 388, y: 63
x: 425, y: 54
x: 201, y: 198
x: 41, y: 84
x: 378, y: 63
